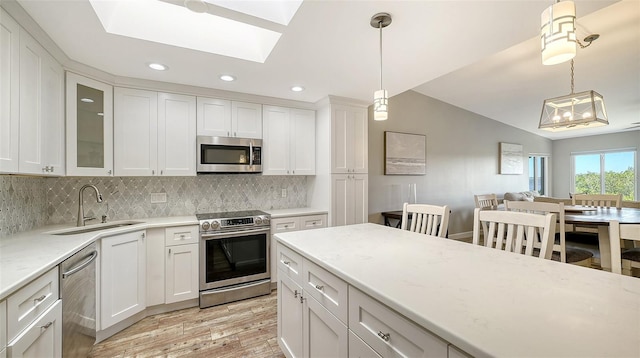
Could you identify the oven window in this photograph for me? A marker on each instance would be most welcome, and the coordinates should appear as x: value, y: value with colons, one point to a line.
x: 220, y: 154
x: 235, y: 257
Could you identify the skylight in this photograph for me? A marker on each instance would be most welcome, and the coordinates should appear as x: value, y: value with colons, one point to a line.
x: 176, y: 25
x: 280, y: 12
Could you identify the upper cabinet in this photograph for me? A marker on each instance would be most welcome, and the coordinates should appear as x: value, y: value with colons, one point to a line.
x: 89, y: 127
x: 154, y: 133
x: 349, y: 138
x: 289, y: 141
x: 223, y: 118
x: 31, y: 122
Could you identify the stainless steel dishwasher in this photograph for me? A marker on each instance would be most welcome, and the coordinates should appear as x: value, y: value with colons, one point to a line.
x: 78, y: 293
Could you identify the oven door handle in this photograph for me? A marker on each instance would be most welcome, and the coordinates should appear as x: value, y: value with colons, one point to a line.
x: 233, y: 233
x: 251, y: 153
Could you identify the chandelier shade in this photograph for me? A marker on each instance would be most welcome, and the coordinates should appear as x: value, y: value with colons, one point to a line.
x: 575, y: 110
x: 558, y: 33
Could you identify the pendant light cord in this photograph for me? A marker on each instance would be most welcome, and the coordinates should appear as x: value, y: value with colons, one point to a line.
x: 571, y: 76
x: 380, y: 27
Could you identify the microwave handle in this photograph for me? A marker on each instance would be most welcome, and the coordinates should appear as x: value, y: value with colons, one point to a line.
x: 250, y: 153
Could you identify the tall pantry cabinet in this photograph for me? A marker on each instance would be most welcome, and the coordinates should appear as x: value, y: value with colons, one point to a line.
x: 341, y: 183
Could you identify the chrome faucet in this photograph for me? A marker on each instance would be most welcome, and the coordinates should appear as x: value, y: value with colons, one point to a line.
x: 81, y: 218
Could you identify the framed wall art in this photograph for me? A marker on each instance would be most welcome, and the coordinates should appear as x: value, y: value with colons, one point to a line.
x: 405, y: 154
x: 511, y: 158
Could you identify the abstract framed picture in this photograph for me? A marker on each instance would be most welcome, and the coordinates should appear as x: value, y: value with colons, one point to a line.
x: 405, y: 154
x: 511, y: 158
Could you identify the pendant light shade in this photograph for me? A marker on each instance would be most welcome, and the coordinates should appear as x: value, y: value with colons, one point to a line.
x: 558, y: 33
x: 380, y: 97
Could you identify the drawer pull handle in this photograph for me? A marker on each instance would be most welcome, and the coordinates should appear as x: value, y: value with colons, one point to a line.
x: 46, y: 325
x: 182, y: 237
x: 319, y: 287
x: 40, y: 298
x: 295, y: 294
x: 384, y: 336
x: 286, y: 262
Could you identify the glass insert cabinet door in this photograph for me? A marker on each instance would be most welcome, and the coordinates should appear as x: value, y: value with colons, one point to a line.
x: 89, y: 127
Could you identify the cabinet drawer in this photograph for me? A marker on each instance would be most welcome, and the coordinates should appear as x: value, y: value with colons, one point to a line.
x: 326, y: 288
x: 359, y: 349
x: 181, y: 235
x: 43, y: 338
x: 389, y: 333
x: 289, y: 263
x: 24, y: 306
x: 313, y: 222
x: 284, y: 225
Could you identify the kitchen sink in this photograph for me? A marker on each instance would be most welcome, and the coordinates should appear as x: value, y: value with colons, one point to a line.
x: 99, y: 227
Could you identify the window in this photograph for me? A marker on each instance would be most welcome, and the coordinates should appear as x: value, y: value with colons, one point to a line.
x: 611, y: 172
x: 538, y: 169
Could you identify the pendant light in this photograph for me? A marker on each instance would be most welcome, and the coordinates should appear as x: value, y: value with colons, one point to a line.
x: 575, y: 110
x: 558, y: 33
x: 380, y: 97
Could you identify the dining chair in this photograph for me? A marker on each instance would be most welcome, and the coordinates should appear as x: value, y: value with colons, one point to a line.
x: 486, y: 201
x: 598, y: 200
x: 561, y: 252
x: 426, y: 219
x: 509, y: 230
x: 629, y: 259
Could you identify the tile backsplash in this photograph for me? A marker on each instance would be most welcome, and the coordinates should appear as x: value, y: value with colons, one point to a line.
x: 26, y: 203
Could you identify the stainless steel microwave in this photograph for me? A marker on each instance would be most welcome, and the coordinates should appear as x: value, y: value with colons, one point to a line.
x: 228, y: 155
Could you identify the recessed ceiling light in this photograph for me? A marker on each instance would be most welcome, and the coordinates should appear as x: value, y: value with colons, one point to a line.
x: 86, y: 100
x: 297, y: 88
x: 227, y: 78
x: 101, y: 114
x: 158, y: 66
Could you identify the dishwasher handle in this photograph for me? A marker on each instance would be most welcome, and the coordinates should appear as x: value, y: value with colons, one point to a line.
x: 90, y: 258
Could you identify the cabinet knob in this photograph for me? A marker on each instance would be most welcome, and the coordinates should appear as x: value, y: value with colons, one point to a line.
x: 181, y: 236
x: 286, y: 262
x: 143, y: 235
x: 295, y: 294
x: 319, y: 287
x: 169, y: 251
x: 109, y: 171
x: 40, y: 298
x: 153, y: 172
x: 384, y: 336
x: 161, y: 172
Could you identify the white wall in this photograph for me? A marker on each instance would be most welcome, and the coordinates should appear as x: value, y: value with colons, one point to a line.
x: 562, y: 149
x: 462, y: 157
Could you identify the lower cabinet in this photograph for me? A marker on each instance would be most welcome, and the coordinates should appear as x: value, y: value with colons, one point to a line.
x: 181, y: 273
x: 42, y: 338
x: 122, y: 277
x: 359, y: 349
x: 305, y: 327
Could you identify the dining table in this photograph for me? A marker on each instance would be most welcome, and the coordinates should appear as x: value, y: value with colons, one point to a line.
x: 599, y: 218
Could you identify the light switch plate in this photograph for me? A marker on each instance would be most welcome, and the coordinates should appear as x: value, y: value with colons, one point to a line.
x: 157, y: 198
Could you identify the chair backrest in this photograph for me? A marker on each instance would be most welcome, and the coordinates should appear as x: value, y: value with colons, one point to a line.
x: 486, y: 201
x: 548, y: 199
x: 426, y: 219
x: 509, y: 230
x: 617, y: 232
x: 599, y: 200
x: 544, y: 208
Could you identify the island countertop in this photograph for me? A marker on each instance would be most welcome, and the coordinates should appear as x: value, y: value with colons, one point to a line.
x: 484, y: 301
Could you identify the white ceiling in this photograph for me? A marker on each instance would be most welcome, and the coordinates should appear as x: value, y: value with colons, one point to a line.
x: 479, y: 55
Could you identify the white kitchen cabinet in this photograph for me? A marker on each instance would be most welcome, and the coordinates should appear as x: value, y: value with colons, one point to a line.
x: 389, y: 333
x: 122, y: 270
x: 349, y: 139
x: 89, y: 127
x: 43, y: 338
x: 3, y: 325
x: 289, y: 141
x: 182, y: 257
x: 288, y: 224
x: 9, y: 93
x: 349, y: 202
x: 359, y: 349
x: 41, y: 130
x: 154, y: 133
x: 306, y: 328
x: 223, y: 118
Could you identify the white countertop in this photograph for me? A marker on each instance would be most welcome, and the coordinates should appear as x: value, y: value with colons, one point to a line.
x: 484, y: 301
x: 281, y: 213
x: 26, y: 255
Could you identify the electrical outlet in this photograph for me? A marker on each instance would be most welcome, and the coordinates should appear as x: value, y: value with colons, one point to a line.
x: 284, y: 193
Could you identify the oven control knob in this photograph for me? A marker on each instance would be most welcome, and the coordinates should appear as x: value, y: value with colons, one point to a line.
x: 205, y: 226
x: 265, y: 221
x: 257, y: 221
x: 215, y: 225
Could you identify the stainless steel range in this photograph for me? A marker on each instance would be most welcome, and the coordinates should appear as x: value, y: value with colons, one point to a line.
x: 234, y: 256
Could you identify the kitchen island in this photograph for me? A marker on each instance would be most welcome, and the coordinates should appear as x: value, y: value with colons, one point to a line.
x: 483, y: 301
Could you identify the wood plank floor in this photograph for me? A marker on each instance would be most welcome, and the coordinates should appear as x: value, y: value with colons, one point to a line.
x: 240, y: 329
